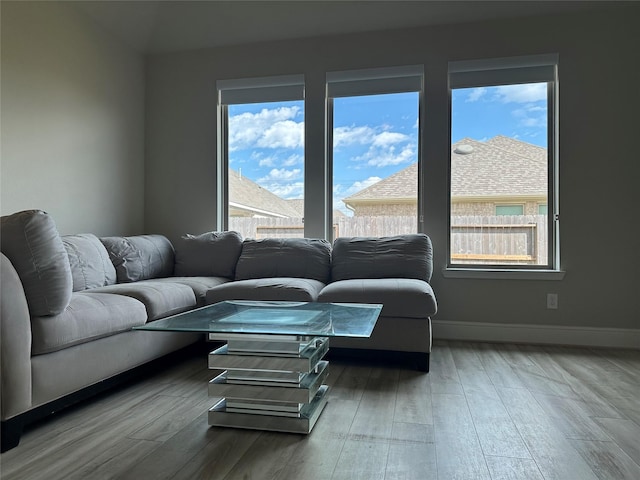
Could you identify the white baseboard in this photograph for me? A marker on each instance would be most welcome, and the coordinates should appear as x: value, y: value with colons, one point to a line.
x: 546, y: 334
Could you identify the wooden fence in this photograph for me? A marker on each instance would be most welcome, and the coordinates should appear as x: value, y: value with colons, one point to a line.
x: 504, y: 239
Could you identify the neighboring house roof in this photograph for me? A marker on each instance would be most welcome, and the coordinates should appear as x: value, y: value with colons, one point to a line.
x: 401, y: 186
x: 525, y: 149
x: 246, y: 195
x: 483, y: 169
x: 499, y: 167
x: 298, y: 204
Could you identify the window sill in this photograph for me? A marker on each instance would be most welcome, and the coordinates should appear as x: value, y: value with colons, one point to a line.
x: 500, y: 274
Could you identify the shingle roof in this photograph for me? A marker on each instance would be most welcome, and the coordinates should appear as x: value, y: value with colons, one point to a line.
x: 491, y: 170
x: 401, y: 185
x: 525, y: 149
x: 247, y: 195
x: 501, y: 166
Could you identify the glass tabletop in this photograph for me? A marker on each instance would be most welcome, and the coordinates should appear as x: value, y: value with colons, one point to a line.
x: 275, y: 318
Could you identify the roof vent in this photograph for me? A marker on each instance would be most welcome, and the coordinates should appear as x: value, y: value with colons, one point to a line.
x: 463, y: 149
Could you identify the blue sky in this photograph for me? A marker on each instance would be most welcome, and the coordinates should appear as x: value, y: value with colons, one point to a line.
x: 374, y: 136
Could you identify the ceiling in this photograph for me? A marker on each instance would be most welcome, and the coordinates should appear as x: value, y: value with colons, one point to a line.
x: 151, y: 26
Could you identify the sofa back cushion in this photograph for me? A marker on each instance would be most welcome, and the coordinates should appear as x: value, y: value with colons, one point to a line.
x: 285, y: 257
x: 89, y: 261
x: 140, y: 257
x: 31, y: 241
x: 212, y: 254
x: 402, y: 256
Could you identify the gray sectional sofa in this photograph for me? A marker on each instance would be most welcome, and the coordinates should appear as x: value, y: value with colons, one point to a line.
x: 68, y: 303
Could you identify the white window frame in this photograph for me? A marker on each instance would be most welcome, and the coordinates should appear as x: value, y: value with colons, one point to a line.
x: 371, y: 81
x: 281, y: 88
x: 507, y: 71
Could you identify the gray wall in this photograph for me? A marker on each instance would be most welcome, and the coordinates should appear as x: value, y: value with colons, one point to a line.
x: 599, y: 79
x: 72, y: 121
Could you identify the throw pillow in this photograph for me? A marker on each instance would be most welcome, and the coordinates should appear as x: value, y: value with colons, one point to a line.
x: 31, y: 241
x: 89, y: 260
x: 140, y: 257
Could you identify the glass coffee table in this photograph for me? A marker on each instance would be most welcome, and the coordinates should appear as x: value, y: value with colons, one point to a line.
x: 273, y: 368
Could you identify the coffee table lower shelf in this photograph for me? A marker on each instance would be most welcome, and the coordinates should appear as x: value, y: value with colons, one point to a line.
x: 270, y: 382
x: 219, y: 417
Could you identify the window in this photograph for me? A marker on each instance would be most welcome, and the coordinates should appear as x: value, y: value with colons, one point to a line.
x: 509, y: 210
x: 503, y: 163
x: 262, y: 123
x: 374, y: 124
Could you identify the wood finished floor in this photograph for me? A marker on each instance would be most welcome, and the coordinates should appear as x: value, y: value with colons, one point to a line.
x: 486, y: 411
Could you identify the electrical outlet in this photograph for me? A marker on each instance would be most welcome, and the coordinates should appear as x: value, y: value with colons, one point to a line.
x: 552, y: 301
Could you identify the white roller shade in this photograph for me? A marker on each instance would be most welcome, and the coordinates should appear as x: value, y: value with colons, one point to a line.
x: 503, y: 71
x: 261, y: 89
x: 375, y: 81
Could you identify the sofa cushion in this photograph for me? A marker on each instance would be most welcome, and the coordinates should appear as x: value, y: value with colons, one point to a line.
x: 89, y: 316
x: 285, y: 257
x: 30, y: 240
x: 199, y: 285
x: 268, y: 289
x: 140, y: 257
x: 89, y: 261
x: 160, y: 298
x: 402, y: 256
x: 400, y: 297
x: 212, y: 254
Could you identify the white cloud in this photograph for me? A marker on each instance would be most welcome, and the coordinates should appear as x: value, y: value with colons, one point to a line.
x: 269, y: 128
x: 345, y: 136
x: 525, y: 93
x: 293, y: 160
x: 476, y: 94
x: 276, y: 160
x: 281, y: 174
x: 361, y: 185
x: 288, y: 190
x: 382, y: 157
x: 388, y: 138
x: 284, y: 134
x: 531, y: 116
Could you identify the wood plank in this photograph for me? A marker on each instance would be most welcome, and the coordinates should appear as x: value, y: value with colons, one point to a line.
x: 413, y: 461
x: 455, y: 432
x: 627, y: 360
x: 413, y: 398
x: 570, y: 418
x: 626, y: 434
x: 590, y: 400
x: 607, y: 460
x: 532, y: 376
x: 443, y: 374
x: 218, y: 458
x: 499, y: 370
x: 316, y: 455
x: 507, y: 468
x: 552, y: 452
x: 361, y: 460
x: 266, y: 458
x: 121, y: 455
x: 607, y: 378
x: 374, y: 418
